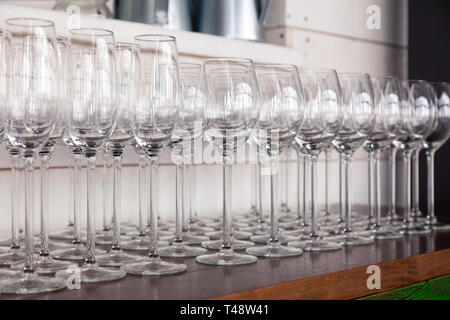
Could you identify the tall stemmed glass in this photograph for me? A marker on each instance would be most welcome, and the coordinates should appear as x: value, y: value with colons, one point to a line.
x: 15, y: 254
x: 419, y: 119
x: 154, y: 119
x: 359, y: 121
x: 439, y: 136
x: 388, y: 120
x: 91, y: 119
x: 231, y: 114
x: 323, y: 118
x: 127, y: 55
x: 45, y: 264
x: 280, y: 118
x: 188, y: 129
x: 30, y: 120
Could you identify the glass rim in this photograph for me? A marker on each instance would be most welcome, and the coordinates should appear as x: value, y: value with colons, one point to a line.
x: 353, y: 74
x: 222, y: 60
x: 154, y: 38
x: 44, y: 23
x: 99, y: 32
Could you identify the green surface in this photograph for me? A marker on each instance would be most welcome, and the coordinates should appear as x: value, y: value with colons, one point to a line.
x: 435, y: 289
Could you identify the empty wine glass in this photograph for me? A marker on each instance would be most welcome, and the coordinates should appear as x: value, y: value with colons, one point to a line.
x: 359, y: 121
x: 31, y: 115
x: 15, y: 254
x: 187, y: 131
x: 388, y: 120
x: 231, y: 113
x: 127, y: 55
x: 418, y: 113
x: 440, y: 135
x: 154, y: 119
x: 91, y: 120
x: 281, y: 114
x: 323, y: 118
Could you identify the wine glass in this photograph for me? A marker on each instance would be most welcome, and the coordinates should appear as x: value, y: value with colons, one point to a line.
x: 31, y: 115
x: 323, y: 118
x: 231, y: 113
x: 358, y: 124
x: 188, y: 130
x: 91, y: 120
x: 281, y: 115
x: 45, y: 263
x: 154, y: 119
x: 127, y: 55
x: 388, y: 120
x: 15, y: 254
x: 440, y: 135
x: 418, y: 113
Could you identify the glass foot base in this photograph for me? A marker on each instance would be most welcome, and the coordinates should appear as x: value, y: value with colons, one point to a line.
x: 414, y: 230
x: 235, y: 244
x: 384, y: 233
x: 154, y: 267
x: 74, y: 253
x: 238, y: 235
x: 139, y: 244
x: 198, y: 230
x: 66, y: 234
x: 258, y: 230
x: 316, y: 245
x: 116, y: 258
x: 105, y: 239
x: 134, y: 234
x: 91, y: 273
x: 226, y: 258
x: 436, y: 225
x: 47, y: 265
x: 274, y: 251
x: 9, y: 273
x: 354, y: 239
x: 181, y: 250
x: 31, y: 283
x: 11, y: 257
x: 283, y: 238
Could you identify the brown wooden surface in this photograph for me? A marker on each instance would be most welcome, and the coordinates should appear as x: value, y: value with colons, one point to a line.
x: 278, y: 279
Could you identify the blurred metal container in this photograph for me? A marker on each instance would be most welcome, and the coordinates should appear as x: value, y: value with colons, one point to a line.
x: 173, y: 14
x: 237, y: 19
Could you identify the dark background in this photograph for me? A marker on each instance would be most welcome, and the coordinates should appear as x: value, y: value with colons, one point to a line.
x: 429, y: 59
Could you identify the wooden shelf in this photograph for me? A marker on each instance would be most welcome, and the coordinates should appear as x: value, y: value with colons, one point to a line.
x: 331, y: 275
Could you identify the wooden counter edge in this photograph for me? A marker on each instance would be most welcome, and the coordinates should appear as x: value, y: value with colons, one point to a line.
x: 352, y: 283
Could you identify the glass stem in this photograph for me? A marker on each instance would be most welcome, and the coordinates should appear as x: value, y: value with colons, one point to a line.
x: 259, y: 211
x: 377, y: 182
x: 117, y: 202
x: 227, y: 174
x: 341, y: 199
x: 299, y: 204
x: 327, y: 211
x: 190, y: 169
x: 312, y: 177
x: 142, y: 194
x: 407, y: 184
x: 430, y: 186
x: 253, y: 191
x: 274, y: 174
x: 286, y: 179
x: 347, y: 194
x: 71, y: 194
x: 392, y: 184
x: 179, y: 203
x: 283, y: 164
x: 187, y: 218
x: 415, y: 183
x: 304, y: 199
x: 193, y: 195
x: 91, y: 181
x: 107, y: 201
x: 15, y: 184
x: 370, y: 157
x: 77, y: 202
x: 45, y: 165
x: 153, y: 234
x: 29, y: 213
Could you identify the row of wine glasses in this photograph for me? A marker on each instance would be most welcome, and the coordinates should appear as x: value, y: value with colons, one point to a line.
x: 93, y: 94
